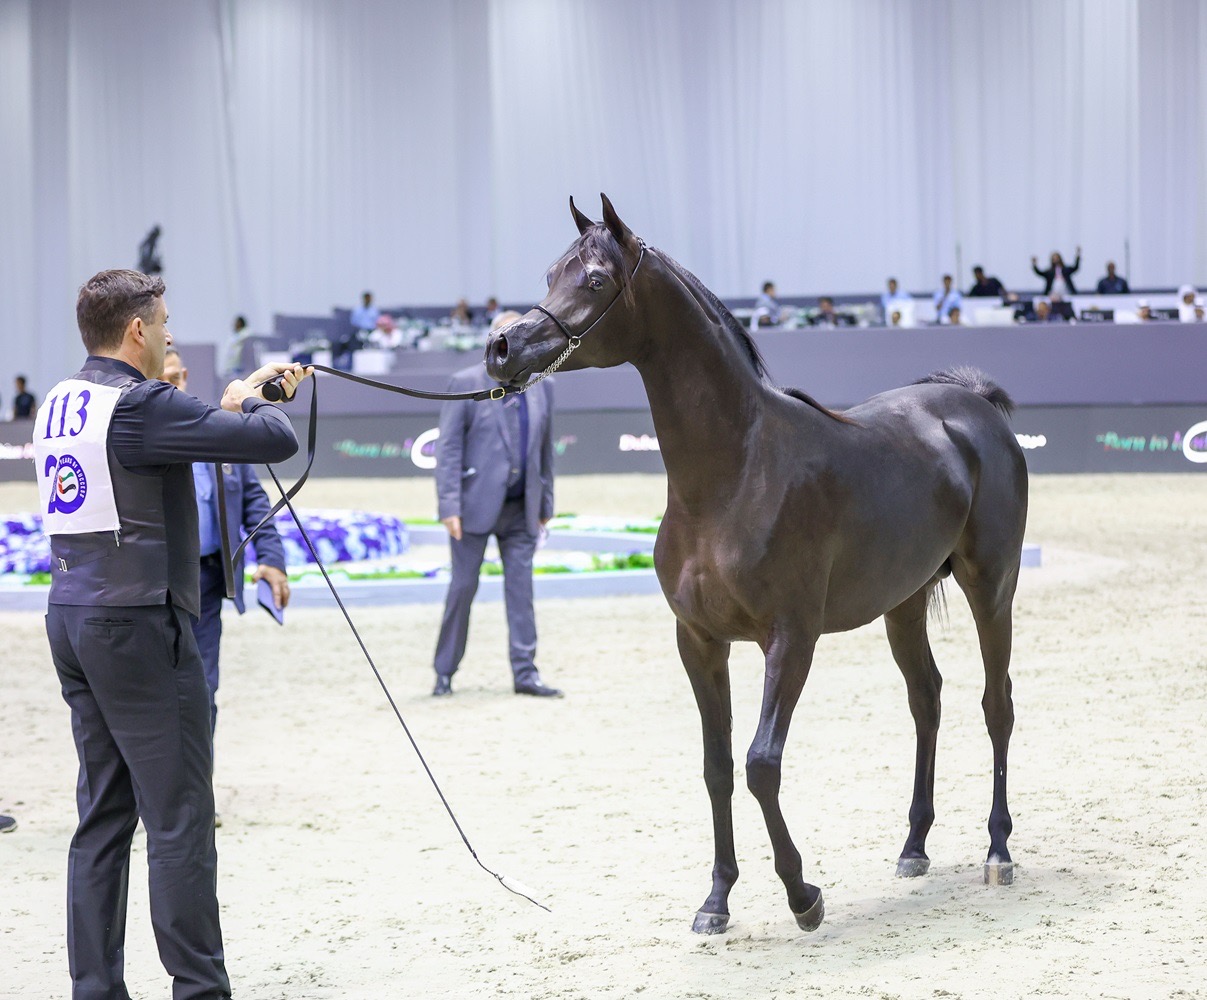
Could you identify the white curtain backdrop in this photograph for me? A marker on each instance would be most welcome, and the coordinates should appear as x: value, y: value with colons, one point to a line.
x: 296, y: 152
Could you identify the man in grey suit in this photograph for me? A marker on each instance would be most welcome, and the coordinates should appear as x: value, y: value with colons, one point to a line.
x: 494, y: 476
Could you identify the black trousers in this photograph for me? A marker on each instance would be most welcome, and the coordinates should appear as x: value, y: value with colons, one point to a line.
x: 133, y: 680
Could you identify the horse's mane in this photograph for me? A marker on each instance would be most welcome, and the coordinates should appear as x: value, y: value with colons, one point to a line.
x: 745, y: 341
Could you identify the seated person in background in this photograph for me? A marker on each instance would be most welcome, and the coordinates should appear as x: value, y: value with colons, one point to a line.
x: 1058, y: 277
x: 1112, y: 284
x: 954, y: 317
x: 1041, y: 312
x: 895, y: 318
x: 892, y: 300
x: 460, y: 315
x: 386, y: 334
x: 1144, y: 311
x: 1186, y: 297
x: 946, y: 298
x: 491, y: 311
x: 1060, y: 311
x: 766, y: 308
x: 826, y: 315
x: 986, y: 287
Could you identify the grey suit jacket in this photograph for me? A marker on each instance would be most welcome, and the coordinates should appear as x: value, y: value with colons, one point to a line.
x: 472, y: 462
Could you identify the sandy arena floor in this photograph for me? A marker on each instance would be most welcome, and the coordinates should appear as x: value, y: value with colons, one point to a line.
x: 342, y: 877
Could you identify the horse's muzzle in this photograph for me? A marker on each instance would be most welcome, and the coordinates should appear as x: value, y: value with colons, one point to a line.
x: 497, y: 353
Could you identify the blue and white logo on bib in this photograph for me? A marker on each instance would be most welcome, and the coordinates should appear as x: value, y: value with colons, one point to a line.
x: 70, y: 486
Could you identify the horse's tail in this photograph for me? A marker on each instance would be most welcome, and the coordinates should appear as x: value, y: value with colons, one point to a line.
x: 976, y: 381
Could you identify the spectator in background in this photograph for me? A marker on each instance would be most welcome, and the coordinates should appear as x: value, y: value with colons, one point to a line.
x: 1041, y: 312
x: 1112, y: 284
x: 461, y: 315
x: 766, y: 307
x: 826, y: 315
x: 893, y: 300
x: 1058, y: 277
x: 1186, y: 297
x: 895, y: 318
x: 986, y: 287
x: 386, y: 334
x: 1144, y: 311
x: 25, y: 407
x: 363, y: 322
x: 954, y: 317
x: 364, y: 318
x: 946, y: 298
x: 492, y: 310
x: 1060, y: 311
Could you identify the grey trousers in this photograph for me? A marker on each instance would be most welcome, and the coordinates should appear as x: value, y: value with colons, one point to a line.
x: 516, y: 548
x: 140, y: 716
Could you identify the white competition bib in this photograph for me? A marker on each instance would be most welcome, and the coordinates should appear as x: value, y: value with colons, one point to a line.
x: 71, y: 458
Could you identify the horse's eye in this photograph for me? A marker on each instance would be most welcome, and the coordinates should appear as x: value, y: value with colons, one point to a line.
x: 595, y: 283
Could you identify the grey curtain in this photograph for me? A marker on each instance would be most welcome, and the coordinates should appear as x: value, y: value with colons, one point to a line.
x: 296, y: 152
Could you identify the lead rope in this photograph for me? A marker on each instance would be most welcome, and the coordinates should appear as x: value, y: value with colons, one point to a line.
x: 510, y: 885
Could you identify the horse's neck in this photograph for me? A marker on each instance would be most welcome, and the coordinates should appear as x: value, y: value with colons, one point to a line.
x: 704, y: 394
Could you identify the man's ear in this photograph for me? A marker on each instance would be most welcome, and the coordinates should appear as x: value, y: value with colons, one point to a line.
x: 135, y: 329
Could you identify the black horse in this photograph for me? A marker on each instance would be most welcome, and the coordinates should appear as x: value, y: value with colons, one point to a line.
x: 824, y: 521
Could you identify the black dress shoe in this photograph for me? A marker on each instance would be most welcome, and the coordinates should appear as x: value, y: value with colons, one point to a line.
x: 444, y: 686
x: 538, y: 689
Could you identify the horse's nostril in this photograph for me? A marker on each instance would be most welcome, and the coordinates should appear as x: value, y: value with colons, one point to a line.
x: 501, y: 348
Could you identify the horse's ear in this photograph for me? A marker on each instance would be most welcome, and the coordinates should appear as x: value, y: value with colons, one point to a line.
x: 618, y: 229
x: 580, y: 220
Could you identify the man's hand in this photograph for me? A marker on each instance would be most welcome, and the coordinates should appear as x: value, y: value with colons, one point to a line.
x: 278, y: 580
x: 239, y: 390
x: 454, y: 527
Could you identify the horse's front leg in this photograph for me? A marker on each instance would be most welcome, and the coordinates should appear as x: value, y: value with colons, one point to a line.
x: 788, y: 659
x: 707, y: 665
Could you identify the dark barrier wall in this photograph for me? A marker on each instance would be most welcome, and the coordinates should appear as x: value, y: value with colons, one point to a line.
x: 1092, y: 398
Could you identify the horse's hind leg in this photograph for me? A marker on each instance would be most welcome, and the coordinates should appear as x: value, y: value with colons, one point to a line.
x: 707, y: 665
x: 906, y: 627
x: 788, y: 660
x: 990, y: 596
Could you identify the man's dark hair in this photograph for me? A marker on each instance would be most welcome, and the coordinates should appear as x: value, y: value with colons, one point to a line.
x: 977, y: 269
x: 109, y: 300
x: 20, y: 380
x: 240, y: 322
x: 768, y: 285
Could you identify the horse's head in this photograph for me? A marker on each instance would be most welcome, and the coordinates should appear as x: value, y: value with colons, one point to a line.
x: 585, y: 309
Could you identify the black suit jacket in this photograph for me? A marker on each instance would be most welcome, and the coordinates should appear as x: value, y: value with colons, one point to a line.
x: 1049, y: 275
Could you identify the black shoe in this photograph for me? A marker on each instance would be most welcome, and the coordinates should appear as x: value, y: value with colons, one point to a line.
x: 538, y: 689
x: 7, y: 824
x: 444, y: 686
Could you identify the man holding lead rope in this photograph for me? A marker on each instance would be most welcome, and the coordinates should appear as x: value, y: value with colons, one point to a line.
x: 113, y: 451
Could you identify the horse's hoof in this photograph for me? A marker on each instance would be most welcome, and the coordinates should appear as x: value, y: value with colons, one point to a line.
x: 912, y: 867
x: 811, y: 919
x: 710, y: 923
x: 999, y: 872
